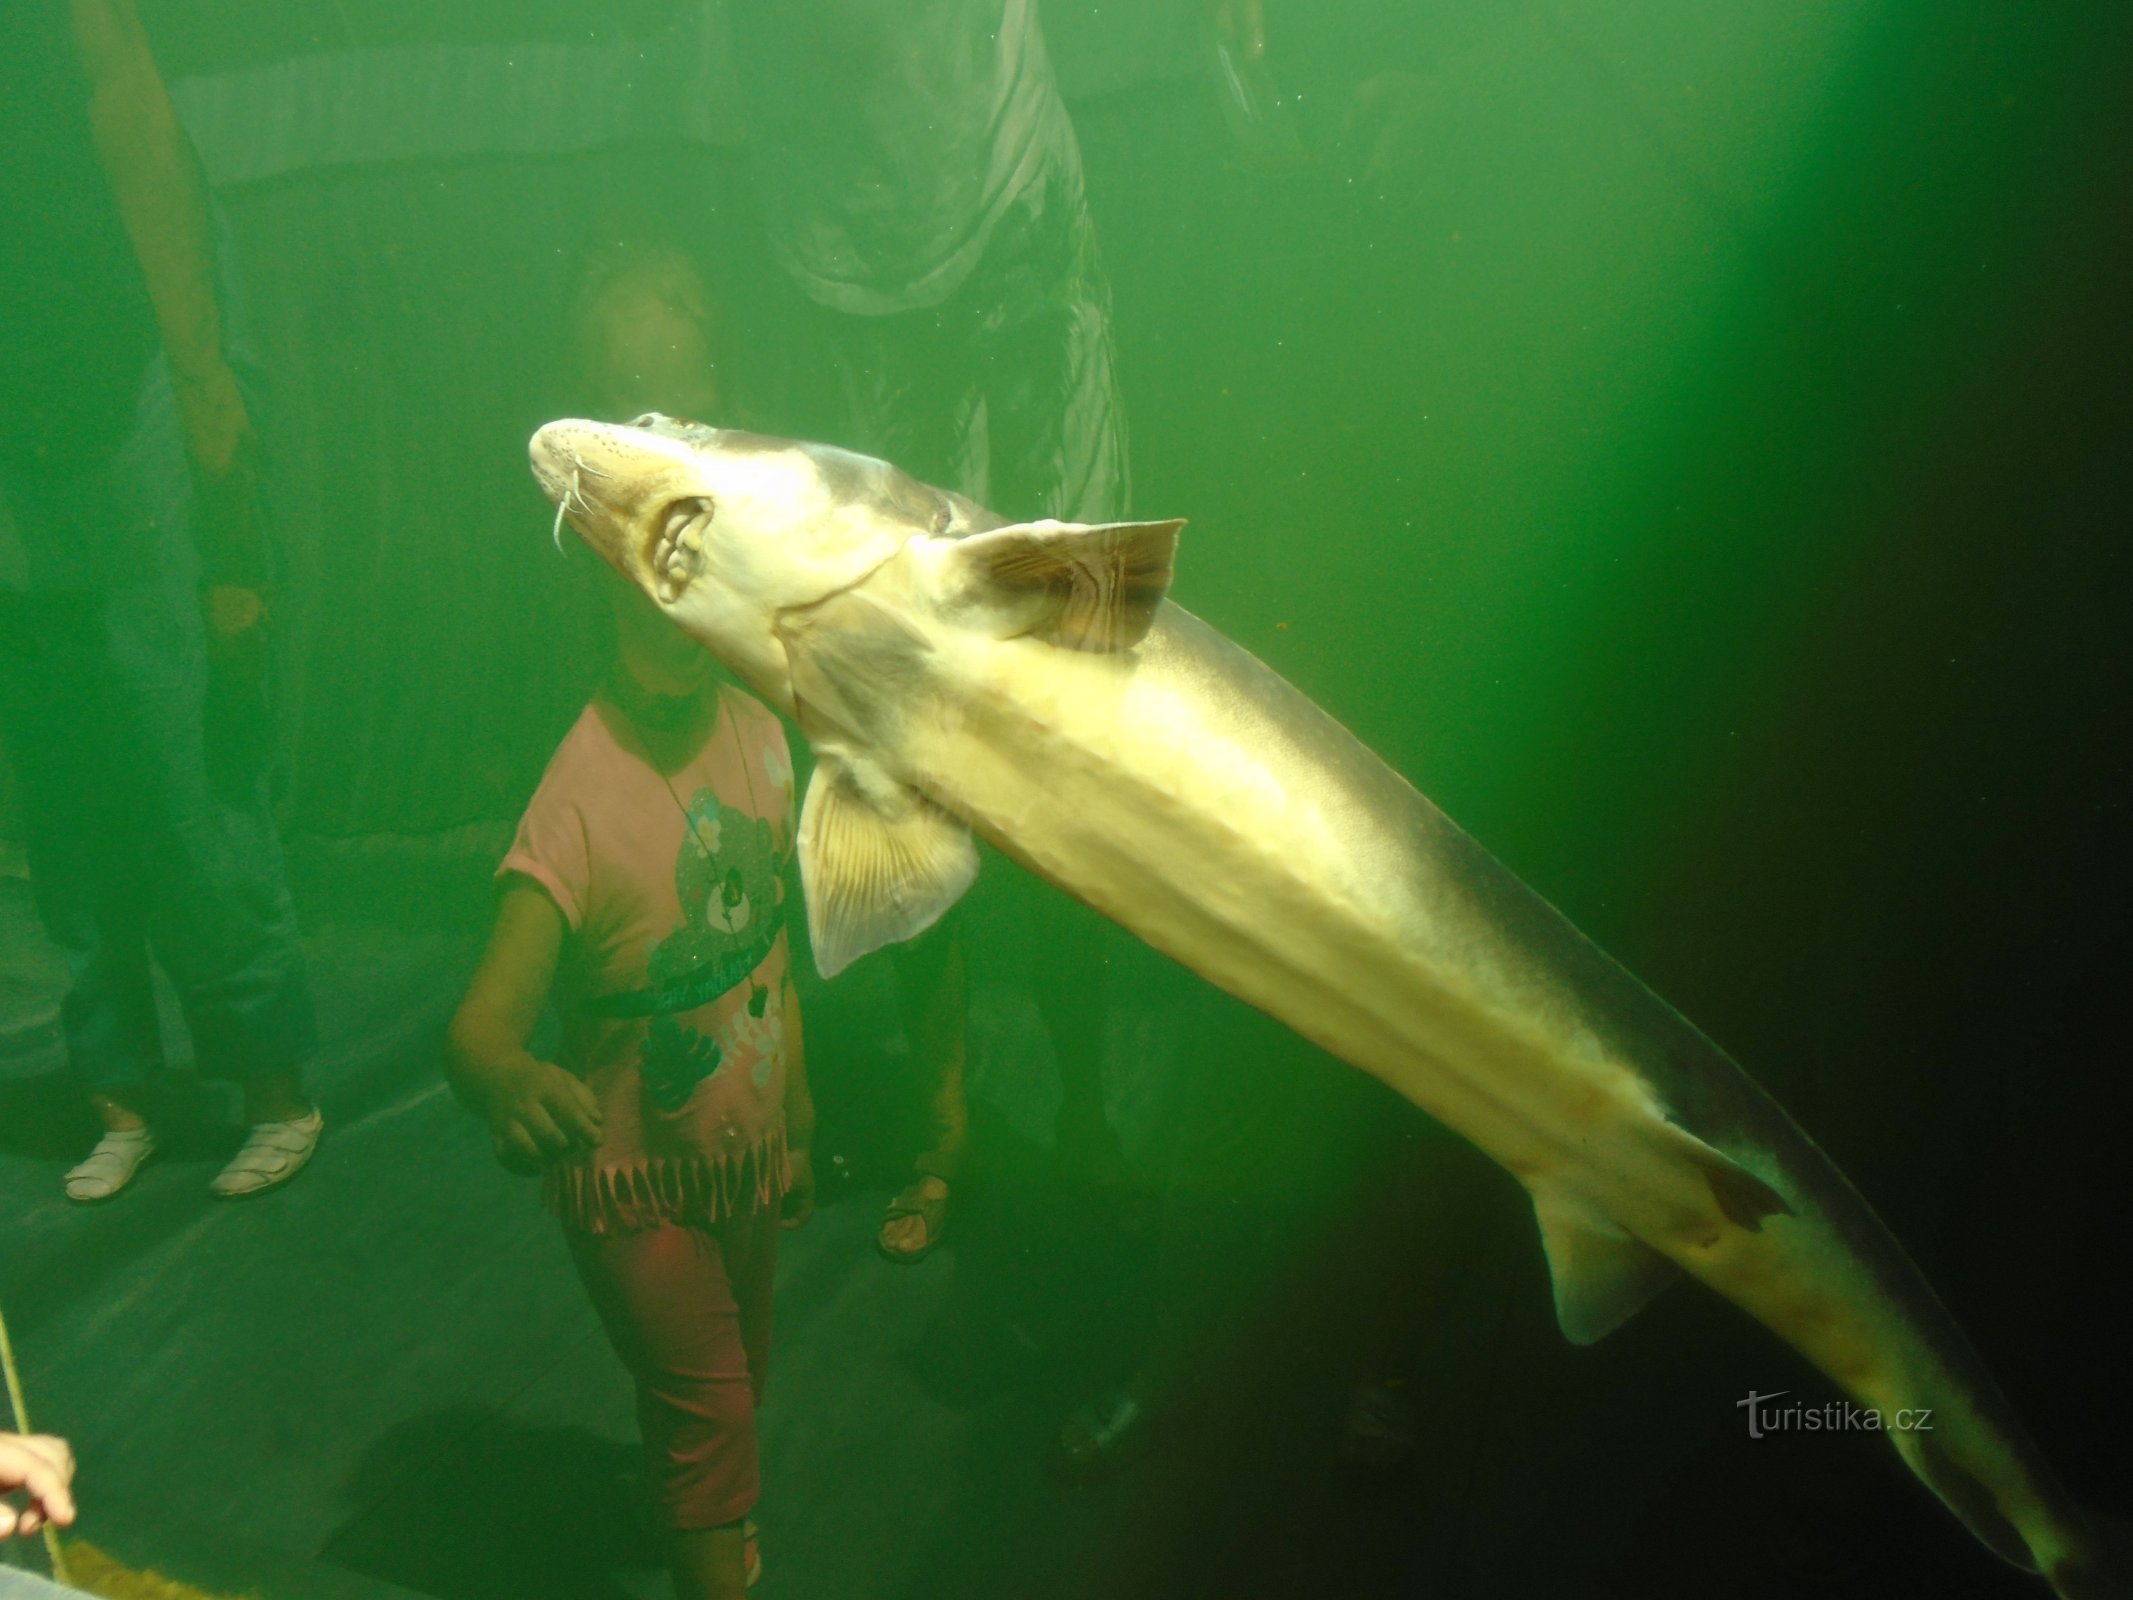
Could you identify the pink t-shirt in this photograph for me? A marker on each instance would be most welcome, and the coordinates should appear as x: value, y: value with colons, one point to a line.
x: 672, y: 981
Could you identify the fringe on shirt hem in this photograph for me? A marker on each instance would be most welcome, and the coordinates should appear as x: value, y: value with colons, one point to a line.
x: 669, y: 1191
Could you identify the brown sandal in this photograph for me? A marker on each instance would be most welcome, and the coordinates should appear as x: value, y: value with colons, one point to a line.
x: 931, y: 1209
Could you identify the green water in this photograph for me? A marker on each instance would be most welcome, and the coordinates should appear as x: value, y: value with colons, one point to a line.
x: 1691, y: 442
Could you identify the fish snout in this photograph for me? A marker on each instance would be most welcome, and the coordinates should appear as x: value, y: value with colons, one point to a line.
x: 552, y: 458
x: 588, y: 481
x: 567, y: 461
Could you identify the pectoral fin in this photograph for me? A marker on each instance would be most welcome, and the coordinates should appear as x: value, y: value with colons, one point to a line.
x: 1603, y: 1276
x: 879, y: 862
x: 1077, y: 586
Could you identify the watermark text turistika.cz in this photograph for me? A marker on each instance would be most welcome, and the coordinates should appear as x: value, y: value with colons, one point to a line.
x: 1832, y: 1416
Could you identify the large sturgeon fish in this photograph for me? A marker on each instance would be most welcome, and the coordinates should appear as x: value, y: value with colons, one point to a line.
x: 1031, y: 683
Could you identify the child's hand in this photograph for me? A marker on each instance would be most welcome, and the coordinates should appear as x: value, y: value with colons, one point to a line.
x: 41, y: 1467
x: 539, y: 1113
x: 800, y: 1193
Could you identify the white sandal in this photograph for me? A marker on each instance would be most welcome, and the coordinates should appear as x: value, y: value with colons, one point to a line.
x: 275, y: 1153
x: 112, y: 1165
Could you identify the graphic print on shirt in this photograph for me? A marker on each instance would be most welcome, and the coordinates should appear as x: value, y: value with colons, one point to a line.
x: 726, y: 878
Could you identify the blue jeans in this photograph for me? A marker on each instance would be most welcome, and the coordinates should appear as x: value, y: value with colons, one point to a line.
x: 146, y: 803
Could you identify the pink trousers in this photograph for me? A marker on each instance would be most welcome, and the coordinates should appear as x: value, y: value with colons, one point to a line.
x: 688, y: 1311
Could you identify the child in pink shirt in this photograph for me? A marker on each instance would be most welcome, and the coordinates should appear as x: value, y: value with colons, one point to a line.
x: 644, y: 896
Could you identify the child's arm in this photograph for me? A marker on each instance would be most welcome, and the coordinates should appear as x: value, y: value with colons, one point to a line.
x: 536, y: 1111
x: 799, y: 1116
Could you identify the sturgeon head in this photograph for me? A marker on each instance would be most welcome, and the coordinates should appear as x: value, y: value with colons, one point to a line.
x: 730, y: 531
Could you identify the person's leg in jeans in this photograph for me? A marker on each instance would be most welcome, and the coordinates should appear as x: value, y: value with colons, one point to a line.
x: 688, y: 1311
x: 224, y: 924
x: 191, y: 724
x: 87, y: 865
